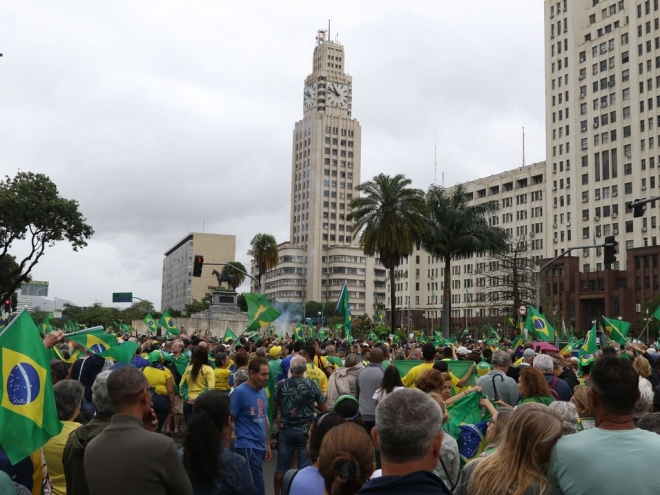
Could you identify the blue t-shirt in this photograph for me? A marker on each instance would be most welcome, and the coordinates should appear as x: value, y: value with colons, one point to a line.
x: 286, y: 364
x: 308, y: 481
x: 249, y: 409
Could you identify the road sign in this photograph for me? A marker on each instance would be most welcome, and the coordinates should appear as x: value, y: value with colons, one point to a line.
x: 522, y: 310
x: 122, y: 297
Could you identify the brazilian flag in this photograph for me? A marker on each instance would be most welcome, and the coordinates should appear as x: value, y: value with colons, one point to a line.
x: 56, y: 354
x: 537, y: 324
x: 167, y: 322
x: 297, y: 332
x: 150, y: 323
x: 260, y: 312
x: 229, y: 335
x: 27, y: 408
x: 45, y: 326
x: 95, y: 339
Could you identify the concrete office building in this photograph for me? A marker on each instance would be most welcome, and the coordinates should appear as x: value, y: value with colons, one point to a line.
x: 322, y: 252
x: 179, y: 287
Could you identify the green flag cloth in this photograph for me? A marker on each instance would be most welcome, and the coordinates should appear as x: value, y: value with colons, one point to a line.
x: 27, y: 406
x: 322, y: 333
x: 167, y: 322
x: 492, y: 334
x: 260, y: 312
x: 372, y: 336
x: 656, y: 313
x: 122, y: 353
x: 465, y: 411
x: 518, y: 341
x: 95, y: 339
x: 310, y: 330
x: 537, y: 323
x: 349, y: 335
x: 45, y: 328
x: 229, y: 335
x: 344, y: 309
x: 150, y: 323
x: 56, y: 354
x: 297, y: 332
x: 590, y: 344
x: 617, y: 330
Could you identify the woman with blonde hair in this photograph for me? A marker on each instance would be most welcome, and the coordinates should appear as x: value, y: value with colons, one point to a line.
x: 516, y: 467
x: 642, y: 366
x: 581, y: 402
x: 346, y: 460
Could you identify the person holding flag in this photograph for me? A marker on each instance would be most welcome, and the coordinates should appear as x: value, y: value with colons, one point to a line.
x: 344, y: 308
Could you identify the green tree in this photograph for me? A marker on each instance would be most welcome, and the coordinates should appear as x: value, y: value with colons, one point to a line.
x: 236, y: 271
x: 264, y: 252
x: 136, y: 311
x: 9, y: 274
x: 32, y: 210
x: 390, y: 217
x: 199, y: 306
x: 456, y: 228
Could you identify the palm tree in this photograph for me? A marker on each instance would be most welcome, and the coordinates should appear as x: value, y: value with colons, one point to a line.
x: 391, y: 217
x: 236, y: 271
x: 264, y: 252
x: 457, y: 228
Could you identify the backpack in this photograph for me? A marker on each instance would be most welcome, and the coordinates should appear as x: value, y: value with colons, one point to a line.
x: 287, y: 481
x: 553, y: 384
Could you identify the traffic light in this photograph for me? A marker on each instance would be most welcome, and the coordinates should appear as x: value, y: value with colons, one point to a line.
x: 7, y: 304
x: 197, y: 266
x: 610, y: 250
x: 638, y: 210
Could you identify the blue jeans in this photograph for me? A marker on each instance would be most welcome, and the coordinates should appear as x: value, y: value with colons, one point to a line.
x: 255, y: 459
x: 162, y: 407
x: 289, y: 441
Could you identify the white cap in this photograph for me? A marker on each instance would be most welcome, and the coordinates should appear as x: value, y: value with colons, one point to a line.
x: 462, y: 350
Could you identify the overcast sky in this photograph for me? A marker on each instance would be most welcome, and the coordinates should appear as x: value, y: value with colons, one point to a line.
x: 163, y: 118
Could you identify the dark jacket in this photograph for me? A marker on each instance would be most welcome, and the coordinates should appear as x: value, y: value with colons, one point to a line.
x: 73, y: 457
x: 569, y: 376
x: 421, y: 482
x: 562, y: 388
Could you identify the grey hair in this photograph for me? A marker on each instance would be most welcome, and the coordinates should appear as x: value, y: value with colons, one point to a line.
x: 351, y: 360
x: 240, y: 377
x: 650, y: 422
x: 399, y: 356
x: 544, y: 363
x: 407, y: 422
x: 298, y: 365
x: 100, y: 397
x: 330, y: 350
x: 643, y: 404
x: 569, y: 415
x: 501, y: 358
x: 68, y: 397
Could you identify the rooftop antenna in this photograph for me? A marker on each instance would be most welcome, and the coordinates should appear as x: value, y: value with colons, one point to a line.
x: 203, y: 225
x: 523, y: 147
x: 329, y: 32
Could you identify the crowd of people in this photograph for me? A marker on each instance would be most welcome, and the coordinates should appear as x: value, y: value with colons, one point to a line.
x: 345, y: 420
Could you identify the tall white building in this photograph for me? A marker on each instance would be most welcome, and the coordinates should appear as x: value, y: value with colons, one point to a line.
x: 322, y: 252
x: 602, y: 123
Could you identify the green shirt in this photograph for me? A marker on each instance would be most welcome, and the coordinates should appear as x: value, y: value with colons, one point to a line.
x: 547, y: 400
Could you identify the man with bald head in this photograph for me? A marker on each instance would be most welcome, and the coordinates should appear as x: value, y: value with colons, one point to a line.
x: 368, y: 380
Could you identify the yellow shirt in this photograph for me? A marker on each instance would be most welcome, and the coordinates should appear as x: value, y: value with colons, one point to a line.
x: 222, y: 378
x: 205, y: 381
x: 318, y: 376
x: 53, y: 451
x: 414, y: 373
x: 157, y: 378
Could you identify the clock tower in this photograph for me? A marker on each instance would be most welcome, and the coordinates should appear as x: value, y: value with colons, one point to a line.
x: 325, y: 166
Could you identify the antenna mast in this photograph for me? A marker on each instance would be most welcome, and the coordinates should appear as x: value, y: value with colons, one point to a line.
x: 523, y: 150
x: 329, y: 33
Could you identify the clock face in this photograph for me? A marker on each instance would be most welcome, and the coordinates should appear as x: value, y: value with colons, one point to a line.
x: 309, y: 97
x: 337, y: 94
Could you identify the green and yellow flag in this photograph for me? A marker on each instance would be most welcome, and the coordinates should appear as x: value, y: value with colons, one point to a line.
x: 123, y: 352
x: 344, y: 309
x: 656, y: 313
x: 518, y: 341
x: 27, y: 408
x: 45, y: 328
x: 297, y: 332
x: 617, y: 330
x: 95, y: 339
x: 167, y: 322
x: 590, y: 344
x: 260, y: 312
x: 56, y: 354
x: 150, y: 323
x: 229, y: 335
x: 537, y: 323
x: 492, y: 334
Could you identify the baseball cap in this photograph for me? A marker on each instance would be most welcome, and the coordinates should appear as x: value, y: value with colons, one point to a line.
x: 462, y: 350
x: 529, y: 353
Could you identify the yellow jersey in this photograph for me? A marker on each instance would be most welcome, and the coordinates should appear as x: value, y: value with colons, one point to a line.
x: 318, y: 376
x: 222, y: 378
